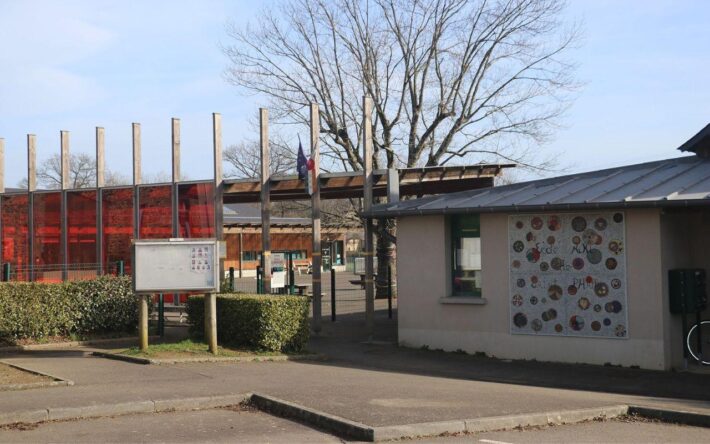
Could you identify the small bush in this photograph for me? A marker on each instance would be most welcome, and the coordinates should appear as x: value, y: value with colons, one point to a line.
x: 258, y: 322
x: 35, y: 310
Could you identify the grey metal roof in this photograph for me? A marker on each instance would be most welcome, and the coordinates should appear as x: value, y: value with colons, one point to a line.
x: 699, y: 143
x: 681, y: 181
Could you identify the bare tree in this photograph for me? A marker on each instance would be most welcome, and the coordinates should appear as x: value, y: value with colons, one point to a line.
x: 245, y: 159
x: 82, y: 173
x: 451, y: 80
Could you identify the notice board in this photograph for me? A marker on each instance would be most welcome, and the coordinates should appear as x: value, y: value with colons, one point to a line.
x: 568, y: 274
x: 163, y: 266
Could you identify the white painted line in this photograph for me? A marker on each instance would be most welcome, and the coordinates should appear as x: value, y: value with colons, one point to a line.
x: 490, y: 441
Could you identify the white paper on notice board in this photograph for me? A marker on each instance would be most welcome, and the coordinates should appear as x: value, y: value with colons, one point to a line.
x: 162, y: 266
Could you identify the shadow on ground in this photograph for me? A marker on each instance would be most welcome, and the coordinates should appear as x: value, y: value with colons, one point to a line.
x: 344, y: 342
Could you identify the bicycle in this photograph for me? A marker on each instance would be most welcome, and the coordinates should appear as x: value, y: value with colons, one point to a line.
x: 698, y: 342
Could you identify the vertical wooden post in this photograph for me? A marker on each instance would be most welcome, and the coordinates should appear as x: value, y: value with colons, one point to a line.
x: 315, y: 205
x: 66, y: 184
x: 31, y: 162
x: 136, y: 127
x: 367, y: 204
x: 265, y: 199
x: 31, y: 187
x: 143, y: 321
x: 100, y: 183
x: 176, y: 174
x: 392, y: 185
x: 211, y: 306
x: 211, y: 321
x: 2, y: 165
x: 100, y: 158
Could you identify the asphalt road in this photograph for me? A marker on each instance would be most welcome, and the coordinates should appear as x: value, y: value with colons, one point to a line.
x: 204, y: 426
x: 227, y: 426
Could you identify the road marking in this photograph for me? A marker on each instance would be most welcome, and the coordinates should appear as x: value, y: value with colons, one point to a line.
x: 490, y: 441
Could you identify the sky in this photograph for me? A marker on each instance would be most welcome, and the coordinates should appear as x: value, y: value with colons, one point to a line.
x: 75, y: 65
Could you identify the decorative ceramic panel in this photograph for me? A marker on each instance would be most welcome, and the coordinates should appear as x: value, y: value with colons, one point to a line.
x: 568, y: 275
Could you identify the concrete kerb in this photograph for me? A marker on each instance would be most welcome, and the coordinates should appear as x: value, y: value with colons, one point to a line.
x: 339, y: 426
x: 348, y: 428
x: 56, y: 380
x: 151, y: 361
x: 70, y: 344
x: 125, y: 408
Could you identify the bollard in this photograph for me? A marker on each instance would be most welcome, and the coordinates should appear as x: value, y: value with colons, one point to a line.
x: 120, y: 269
x: 231, y: 279
x: 6, y: 272
x: 389, y: 291
x: 332, y: 295
x: 259, y: 288
x: 291, y: 275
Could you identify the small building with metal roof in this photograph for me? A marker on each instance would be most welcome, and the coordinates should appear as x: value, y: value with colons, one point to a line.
x: 568, y: 269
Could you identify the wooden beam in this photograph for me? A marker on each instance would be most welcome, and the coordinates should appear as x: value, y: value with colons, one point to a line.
x: 100, y: 158
x: 66, y: 184
x: 265, y: 198
x: 175, y: 157
x: 315, y: 207
x: 2, y: 165
x: 136, y: 153
x: 31, y: 162
x: 100, y: 183
x: 136, y: 131
x: 367, y: 204
x: 218, y: 183
x: 64, y: 156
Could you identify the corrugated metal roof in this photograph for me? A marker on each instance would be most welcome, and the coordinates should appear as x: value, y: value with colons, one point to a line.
x: 671, y: 182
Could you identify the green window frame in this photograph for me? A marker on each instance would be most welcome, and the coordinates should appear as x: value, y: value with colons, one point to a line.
x: 466, y: 267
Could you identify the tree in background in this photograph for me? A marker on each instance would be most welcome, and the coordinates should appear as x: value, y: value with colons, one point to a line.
x: 451, y: 80
x: 82, y: 174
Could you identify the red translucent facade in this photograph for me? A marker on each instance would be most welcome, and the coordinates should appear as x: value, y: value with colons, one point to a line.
x: 46, y: 219
x: 81, y: 233
x: 155, y: 216
x: 196, y: 210
x: 117, y: 225
x: 15, y: 234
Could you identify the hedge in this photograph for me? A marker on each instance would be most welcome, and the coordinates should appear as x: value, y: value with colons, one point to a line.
x: 35, y: 310
x: 258, y: 322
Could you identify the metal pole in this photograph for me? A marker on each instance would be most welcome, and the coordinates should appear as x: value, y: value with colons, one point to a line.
x: 119, y: 268
x: 259, y: 290
x: 367, y: 203
x: 6, y: 272
x: 231, y: 279
x: 161, y: 315
x: 315, y: 216
x: 389, y: 291
x: 332, y: 294
x: 291, y: 274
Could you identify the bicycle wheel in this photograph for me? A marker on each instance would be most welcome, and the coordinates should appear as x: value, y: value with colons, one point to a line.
x: 702, y: 356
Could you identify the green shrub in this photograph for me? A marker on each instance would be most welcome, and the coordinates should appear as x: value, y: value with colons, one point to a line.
x: 34, y: 310
x: 258, y: 322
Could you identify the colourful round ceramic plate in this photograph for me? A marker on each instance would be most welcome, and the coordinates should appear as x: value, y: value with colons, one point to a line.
x: 517, y: 300
x: 554, y: 292
x: 579, y: 224
x: 520, y: 320
x: 600, y: 224
x: 576, y: 322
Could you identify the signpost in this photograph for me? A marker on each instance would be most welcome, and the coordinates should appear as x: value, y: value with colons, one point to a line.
x: 174, y: 266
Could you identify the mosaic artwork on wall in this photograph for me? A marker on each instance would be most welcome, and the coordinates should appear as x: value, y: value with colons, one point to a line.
x: 568, y: 275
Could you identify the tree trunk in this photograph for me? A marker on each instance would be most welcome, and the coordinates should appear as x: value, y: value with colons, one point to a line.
x: 386, y: 254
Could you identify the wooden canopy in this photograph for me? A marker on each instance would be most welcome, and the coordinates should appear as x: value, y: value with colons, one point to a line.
x: 412, y: 182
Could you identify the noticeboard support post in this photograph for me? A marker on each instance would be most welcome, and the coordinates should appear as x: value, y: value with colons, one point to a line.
x: 143, y: 321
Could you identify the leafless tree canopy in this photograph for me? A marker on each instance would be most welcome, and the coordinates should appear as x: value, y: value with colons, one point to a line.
x: 244, y: 159
x: 451, y: 80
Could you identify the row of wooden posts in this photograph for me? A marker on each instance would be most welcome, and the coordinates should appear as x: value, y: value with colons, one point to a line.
x: 218, y: 207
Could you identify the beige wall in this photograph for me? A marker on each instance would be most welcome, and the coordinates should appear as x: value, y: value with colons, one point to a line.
x: 423, y: 278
